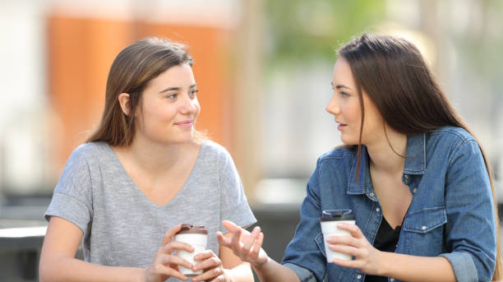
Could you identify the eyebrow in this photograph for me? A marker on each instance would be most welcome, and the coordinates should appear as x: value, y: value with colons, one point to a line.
x: 339, y: 86
x: 176, y: 88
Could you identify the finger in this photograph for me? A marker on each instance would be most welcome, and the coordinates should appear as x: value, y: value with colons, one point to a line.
x: 257, y: 246
x: 210, y: 263
x: 168, y: 236
x: 342, y: 240
x: 347, y: 263
x: 168, y: 271
x: 249, y: 242
x: 354, y: 230
x: 204, y: 255
x: 174, y: 260
x: 344, y: 249
x: 210, y: 274
x: 220, y: 278
x: 236, y: 243
x: 222, y: 240
x: 176, y: 246
x: 229, y: 225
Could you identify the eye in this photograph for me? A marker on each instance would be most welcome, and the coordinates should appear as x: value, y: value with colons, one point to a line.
x: 172, y: 96
x: 344, y: 94
x: 193, y: 93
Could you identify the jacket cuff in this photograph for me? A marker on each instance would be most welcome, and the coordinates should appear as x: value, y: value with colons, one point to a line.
x: 304, y: 274
x: 463, y: 266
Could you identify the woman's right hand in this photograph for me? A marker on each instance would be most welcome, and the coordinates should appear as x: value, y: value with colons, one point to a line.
x: 247, y: 246
x: 165, y: 264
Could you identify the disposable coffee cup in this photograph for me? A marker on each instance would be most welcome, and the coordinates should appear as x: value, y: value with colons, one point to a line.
x: 197, y: 237
x: 329, y: 220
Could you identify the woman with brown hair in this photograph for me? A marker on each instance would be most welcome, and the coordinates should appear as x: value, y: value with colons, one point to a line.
x: 145, y: 171
x: 415, y: 178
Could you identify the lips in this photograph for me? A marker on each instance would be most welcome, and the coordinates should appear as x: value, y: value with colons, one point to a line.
x: 185, y: 123
x: 341, y: 126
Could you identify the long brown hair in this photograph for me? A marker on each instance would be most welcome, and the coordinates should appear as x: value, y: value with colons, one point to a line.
x: 131, y: 70
x: 414, y: 102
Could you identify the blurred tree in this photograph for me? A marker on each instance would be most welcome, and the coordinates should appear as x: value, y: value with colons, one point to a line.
x: 301, y: 30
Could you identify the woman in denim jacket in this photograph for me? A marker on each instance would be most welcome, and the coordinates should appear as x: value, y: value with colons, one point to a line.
x: 415, y: 178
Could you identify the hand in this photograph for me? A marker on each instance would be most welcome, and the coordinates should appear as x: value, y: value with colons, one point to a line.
x: 212, y: 267
x: 247, y: 246
x: 366, y: 256
x: 165, y: 264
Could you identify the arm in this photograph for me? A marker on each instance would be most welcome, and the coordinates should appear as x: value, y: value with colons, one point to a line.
x: 234, y: 266
x: 248, y: 247
x: 398, y: 266
x: 227, y: 267
x: 470, y: 235
x: 58, y: 263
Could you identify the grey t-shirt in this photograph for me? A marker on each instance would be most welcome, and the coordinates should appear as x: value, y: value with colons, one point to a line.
x: 121, y: 226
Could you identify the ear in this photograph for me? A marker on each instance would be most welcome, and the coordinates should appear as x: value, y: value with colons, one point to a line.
x: 124, y: 102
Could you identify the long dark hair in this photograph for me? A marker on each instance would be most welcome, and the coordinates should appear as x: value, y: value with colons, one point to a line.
x: 414, y: 102
x: 131, y: 70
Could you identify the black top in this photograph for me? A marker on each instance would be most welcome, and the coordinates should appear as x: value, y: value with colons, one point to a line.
x: 386, y: 240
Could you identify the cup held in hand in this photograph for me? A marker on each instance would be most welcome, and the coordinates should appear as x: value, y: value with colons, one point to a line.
x: 329, y: 220
x: 197, y: 237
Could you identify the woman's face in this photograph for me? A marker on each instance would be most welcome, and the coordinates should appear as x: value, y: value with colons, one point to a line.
x: 345, y: 106
x: 169, y: 108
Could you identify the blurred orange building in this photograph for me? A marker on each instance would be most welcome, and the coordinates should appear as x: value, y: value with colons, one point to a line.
x: 81, y: 51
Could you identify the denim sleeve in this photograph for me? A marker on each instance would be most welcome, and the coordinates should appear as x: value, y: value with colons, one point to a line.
x: 471, y: 230
x: 303, y: 254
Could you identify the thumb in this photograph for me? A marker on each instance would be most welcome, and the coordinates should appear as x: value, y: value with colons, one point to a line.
x: 170, y: 234
x: 230, y: 226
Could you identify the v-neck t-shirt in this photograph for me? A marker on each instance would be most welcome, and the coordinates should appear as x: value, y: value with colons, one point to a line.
x: 121, y: 226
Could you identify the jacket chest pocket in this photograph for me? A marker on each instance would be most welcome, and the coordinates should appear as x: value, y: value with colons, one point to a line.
x: 423, y: 231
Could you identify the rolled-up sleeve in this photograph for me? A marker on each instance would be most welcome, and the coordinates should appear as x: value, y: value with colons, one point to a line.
x: 304, y: 274
x: 463, y: 266
x: 471, y: 230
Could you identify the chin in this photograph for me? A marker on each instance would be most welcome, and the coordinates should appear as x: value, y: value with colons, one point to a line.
x: 348, y: 141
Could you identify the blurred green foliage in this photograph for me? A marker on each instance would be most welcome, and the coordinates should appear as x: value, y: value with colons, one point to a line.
x: 299, y: 30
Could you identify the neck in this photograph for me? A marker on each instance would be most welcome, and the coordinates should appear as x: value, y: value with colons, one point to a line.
x: 155, y: 158
x: 388, y: 157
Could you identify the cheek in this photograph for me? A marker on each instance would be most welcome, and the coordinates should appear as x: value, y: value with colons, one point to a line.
x: 198, y: 109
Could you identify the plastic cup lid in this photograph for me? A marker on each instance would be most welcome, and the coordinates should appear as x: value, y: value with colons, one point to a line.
x: 337, y: 215
x: 192, y: 229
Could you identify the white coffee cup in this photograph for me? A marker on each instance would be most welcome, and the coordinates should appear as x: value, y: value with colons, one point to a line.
x: 197, y: 237
x: 329, y: 220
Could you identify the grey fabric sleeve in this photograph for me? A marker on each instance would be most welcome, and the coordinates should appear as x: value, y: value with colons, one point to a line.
x: 72, y: 199
x: 234, y: 205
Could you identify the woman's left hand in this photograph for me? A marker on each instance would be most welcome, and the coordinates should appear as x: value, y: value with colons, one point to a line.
x: 212, y: 267
x: 366, y: 256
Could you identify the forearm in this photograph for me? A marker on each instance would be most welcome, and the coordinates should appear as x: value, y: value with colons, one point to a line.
x: 240, y: 273
x: 271, y: 271
x: 70, y: 269
x: 416, y: 268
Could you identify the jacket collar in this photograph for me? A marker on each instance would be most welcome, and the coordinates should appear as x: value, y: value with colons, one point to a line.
x: 415, y: 163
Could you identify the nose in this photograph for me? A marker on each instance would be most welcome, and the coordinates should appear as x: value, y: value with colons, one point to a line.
x: 333, y: 106
x: 188, y: 105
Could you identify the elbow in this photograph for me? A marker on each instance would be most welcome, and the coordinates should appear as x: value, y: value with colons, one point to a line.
x: 48, y: 269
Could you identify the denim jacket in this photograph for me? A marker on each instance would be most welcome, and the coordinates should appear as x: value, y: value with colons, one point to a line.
x: 451, y: 213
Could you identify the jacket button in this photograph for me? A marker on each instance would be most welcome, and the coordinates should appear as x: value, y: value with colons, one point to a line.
x: 359, y: 276
x: 423, y: 227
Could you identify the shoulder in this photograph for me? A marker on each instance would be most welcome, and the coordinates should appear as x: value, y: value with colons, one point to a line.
x: 338, y: 154
x: 451, y: 133
x: 90, y: 149
x: 89, y: 153
x: 450, y: 138
x: 212, y: 150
